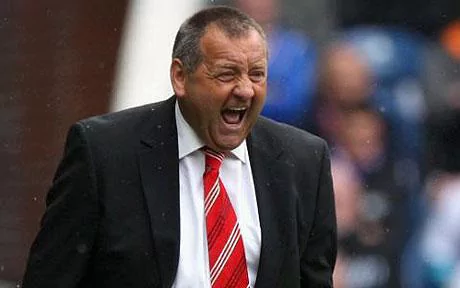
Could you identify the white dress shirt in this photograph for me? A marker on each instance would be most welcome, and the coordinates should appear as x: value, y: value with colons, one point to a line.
x: 235, y: 173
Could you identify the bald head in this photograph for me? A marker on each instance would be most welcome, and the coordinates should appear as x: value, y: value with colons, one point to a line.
x: 346, y: 77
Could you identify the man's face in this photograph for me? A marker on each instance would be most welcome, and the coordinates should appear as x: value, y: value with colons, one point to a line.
x: 223, y: 97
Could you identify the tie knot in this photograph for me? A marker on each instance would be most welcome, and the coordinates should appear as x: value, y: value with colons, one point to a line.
x: 213, y: 159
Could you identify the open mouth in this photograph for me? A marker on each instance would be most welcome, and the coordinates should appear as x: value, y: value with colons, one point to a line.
x: 234, y: 115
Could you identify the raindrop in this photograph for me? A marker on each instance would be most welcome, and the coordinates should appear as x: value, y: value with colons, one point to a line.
x: 81, y: 248
x: 159, y: 126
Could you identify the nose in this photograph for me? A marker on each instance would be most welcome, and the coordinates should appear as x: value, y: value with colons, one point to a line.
x: 244, y: 88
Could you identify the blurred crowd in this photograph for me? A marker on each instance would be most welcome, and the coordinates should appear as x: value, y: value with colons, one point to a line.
x: 386, y: 97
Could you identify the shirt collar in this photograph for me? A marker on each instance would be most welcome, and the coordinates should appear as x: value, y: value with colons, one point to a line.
x: 189, y: 142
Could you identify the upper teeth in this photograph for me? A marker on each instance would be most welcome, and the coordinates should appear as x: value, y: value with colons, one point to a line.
x: 237, y: 109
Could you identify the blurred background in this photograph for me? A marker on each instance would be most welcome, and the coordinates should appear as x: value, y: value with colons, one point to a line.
x: 379, y: 80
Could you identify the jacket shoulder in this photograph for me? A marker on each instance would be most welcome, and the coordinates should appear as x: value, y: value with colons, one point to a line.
x: 286, y: 136
x: 127, y: 123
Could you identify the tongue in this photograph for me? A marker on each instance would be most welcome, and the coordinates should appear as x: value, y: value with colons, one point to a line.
x: 231, y: 117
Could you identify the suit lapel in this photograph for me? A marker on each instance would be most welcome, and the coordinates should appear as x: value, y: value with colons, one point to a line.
x: 159, y: 170
x: 269, y: 192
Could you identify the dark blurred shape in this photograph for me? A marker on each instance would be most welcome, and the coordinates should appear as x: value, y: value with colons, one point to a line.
x: 57, y: 62
x: 443, y: 129
x: 425, y: 16
x: 438, y: 250
x: 440, y: 70
x: 444, y: 141
x: 10, y: 116
x: 433, y: 259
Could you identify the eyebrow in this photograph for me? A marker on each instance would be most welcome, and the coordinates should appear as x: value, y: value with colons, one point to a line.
x: 232, y: 65
x: 227, y: 65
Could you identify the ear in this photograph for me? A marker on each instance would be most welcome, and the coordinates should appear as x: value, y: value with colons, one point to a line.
x: 178, y: 77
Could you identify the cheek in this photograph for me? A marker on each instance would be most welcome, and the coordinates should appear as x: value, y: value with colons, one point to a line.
x: 216, y: 97
x: 260, y: 94
x: 261, y: 90
x: 210, y: 105
x: 208, y: 108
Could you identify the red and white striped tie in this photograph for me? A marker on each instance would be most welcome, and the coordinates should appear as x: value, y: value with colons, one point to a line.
x: 227, y: 262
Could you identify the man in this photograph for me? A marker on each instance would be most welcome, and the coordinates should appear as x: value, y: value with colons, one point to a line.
x: 129, y: 205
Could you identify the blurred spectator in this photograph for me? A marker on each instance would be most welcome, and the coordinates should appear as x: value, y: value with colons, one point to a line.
x: 348, y: 194
x: 292, y: 61
x: 345, y: 83
x: 440, y: 236
x: 363, y: 138
x: 379, y: 67
x: 395, y: 58
x: 374, y: 250
x: 426, y: 263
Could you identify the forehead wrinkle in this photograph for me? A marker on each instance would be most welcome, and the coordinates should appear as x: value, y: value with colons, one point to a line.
x: 217, y: 47
x: 230, y: 59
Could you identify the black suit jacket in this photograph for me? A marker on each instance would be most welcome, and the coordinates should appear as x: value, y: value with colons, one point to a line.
x: 112, y: 216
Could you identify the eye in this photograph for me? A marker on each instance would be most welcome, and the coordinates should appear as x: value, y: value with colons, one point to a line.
x: 257, y: 75
x: 226, y: 76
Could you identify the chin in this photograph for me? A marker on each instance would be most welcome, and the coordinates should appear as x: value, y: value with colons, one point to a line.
x: 226, y: 141
x: 229, y: 145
